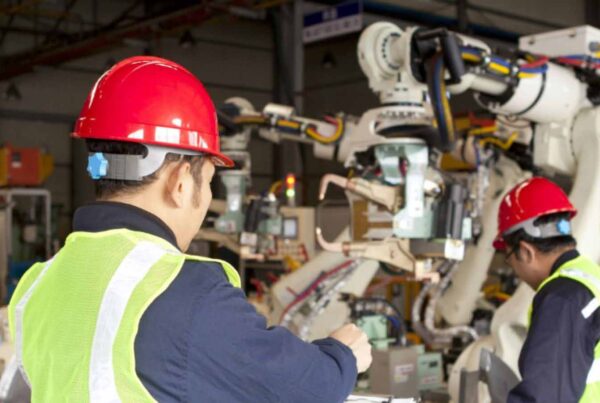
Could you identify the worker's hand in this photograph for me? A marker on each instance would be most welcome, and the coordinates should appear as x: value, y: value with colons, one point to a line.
x: 358, y: 342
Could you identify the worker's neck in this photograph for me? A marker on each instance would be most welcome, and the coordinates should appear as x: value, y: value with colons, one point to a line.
x: 549, y: 259
x: 151, y: 203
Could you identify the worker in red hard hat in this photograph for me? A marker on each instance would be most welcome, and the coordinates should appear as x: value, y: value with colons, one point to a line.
x: 560, y: 360
x: 121, y: 313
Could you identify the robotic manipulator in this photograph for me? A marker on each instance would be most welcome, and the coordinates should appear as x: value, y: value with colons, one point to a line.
x: 406, y: 212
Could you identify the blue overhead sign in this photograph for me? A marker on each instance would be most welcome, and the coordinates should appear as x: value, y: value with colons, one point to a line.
x: 339, y: 20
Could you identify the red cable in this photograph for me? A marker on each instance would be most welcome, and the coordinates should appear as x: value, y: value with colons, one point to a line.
x: 294, y: 293
x: 303, y: 295
x: 570, y: 62
x: 536, y: 63
x: 476, y: 121
x: 259, y: 287
x: 304, y: 252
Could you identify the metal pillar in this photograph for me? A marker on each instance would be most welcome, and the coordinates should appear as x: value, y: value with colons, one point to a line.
x: 592, y: 12
x: 289, y: 79
x: 461, y: 16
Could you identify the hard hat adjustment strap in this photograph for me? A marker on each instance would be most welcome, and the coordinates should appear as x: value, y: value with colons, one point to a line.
x: 560, y: 227
x: 130, y: 167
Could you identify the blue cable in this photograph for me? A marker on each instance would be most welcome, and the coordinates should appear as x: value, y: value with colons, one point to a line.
x: 471, y: 51
x: 581, y: 57
x: 500, y: 61
x: 534, y: 70
x: 394, y: 321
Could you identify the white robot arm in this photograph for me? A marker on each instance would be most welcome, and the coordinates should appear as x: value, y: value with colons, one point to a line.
x: 393, y: 59
x: 557, y: 93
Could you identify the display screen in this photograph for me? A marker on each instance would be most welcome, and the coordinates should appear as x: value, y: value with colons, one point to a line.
x: 290, y: 228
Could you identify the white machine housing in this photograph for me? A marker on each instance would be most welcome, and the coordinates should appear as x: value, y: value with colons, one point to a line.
x: 582, y: 40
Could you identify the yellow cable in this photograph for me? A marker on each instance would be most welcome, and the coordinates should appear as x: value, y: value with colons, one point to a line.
x: 274, y: 187
x: 311, y: 132
x: 499, y: 143
x: 499, y: 68
x: 482, y: 130
x: 249, y: 119
x: 501, y: 295
x: 288, y: 123
x: 471, y: 58
x: 527, y: 75
x: 447, y: 110
x: 491, y: 289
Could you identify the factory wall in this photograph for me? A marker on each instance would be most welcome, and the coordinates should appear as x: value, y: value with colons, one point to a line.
x: 231, y: 57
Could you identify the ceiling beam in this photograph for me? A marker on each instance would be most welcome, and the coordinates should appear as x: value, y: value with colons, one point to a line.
x: 101, y: 39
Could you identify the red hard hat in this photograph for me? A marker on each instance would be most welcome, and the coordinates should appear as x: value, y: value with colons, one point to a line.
x: 152, y: 101
x: 530, y: 199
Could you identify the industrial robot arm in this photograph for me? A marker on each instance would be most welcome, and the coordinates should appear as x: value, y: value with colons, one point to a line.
x: 556, y: 91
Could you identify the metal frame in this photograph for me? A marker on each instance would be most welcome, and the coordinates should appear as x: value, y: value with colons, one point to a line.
x: 8, y: 195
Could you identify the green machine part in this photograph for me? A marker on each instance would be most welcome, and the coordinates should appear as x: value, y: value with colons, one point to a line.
x: 232, y: 221
x: 376, y: 329
x: 415, y: 220
x: 429, y: 369
x: 429, y: 364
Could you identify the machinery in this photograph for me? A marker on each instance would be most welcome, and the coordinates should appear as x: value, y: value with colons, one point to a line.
x: 418, y: 222
x: 24, y: 166
x: 256, y: 227
x: 555, y: 92
x: 396, y: 179
x: 405, y: 213
x: 410, y: 215
x: 25, y: 212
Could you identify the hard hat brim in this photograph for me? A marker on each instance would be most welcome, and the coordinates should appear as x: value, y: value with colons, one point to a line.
x: 221, y: 160
x: 499, y: 243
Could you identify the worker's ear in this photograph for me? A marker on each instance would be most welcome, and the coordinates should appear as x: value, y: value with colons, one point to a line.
x: 179, y: 184
x: 527, y: 253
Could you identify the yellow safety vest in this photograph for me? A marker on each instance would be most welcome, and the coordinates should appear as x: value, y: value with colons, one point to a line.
x: 586, y: 272
x: 74, y: 319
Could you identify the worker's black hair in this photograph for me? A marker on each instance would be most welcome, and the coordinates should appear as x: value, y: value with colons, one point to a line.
x: 106, y: 188
x: 544, y: 245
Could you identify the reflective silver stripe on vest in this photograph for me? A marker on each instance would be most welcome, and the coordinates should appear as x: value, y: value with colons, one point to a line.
x: 10, y: 371
x: 590, y: 308
x: 594, y: 374
x: 19, y: 311
x: 587, y: 311
x: 128, y: 275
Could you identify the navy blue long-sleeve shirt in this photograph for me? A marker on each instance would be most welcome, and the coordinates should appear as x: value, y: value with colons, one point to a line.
x: 559, y: 349
x: 202, y: 341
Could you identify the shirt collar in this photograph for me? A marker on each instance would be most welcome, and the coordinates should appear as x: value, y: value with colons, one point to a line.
x: 105, y: 216
x: 564, y: 258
